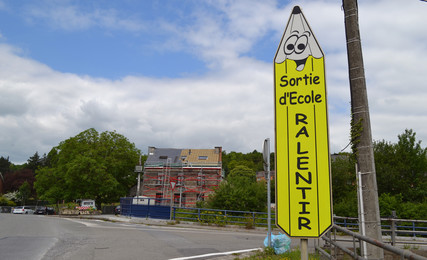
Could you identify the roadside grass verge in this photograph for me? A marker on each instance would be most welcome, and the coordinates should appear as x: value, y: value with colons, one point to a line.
x: 268, y: 253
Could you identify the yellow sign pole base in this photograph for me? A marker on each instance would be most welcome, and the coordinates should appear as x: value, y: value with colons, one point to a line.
x: 304, y: 249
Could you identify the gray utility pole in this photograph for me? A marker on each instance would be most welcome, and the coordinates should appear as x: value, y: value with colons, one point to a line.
x: 361, y: 130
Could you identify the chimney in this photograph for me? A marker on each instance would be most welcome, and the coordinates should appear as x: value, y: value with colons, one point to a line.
x: 151, y: 150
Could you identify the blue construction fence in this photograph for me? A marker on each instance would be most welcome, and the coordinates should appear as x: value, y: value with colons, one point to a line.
x: 145, y: 207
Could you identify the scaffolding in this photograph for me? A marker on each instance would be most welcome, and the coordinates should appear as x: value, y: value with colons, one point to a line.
x: 192, y: 182
x: 166, y: 178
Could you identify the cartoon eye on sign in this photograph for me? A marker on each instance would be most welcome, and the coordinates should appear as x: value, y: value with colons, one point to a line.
x: 298, y: 41
x: 296, y: 44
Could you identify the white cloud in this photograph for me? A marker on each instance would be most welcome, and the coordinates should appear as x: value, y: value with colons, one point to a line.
x: 215, y: 110
x: 232, y: 104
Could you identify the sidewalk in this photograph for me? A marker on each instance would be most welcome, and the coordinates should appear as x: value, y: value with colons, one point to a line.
x: 172, y: 223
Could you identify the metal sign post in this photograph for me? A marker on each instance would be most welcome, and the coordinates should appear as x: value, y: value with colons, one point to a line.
x: 266, y: 156
x: 138, y: 169
x: 303, y: 182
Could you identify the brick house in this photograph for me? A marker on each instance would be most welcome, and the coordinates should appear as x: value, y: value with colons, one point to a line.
x: 193, y: 173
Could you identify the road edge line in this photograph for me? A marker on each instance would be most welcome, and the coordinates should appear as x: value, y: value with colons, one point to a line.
x: 216, y: 254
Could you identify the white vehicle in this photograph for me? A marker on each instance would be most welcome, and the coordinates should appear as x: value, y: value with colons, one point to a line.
x: 23, y: 210
x: 87, y: 204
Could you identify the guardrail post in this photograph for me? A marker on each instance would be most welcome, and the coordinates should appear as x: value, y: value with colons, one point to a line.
x: 393, y: 228
x: 198, y: 214
x: 413, y: 229
x: 147, y: 214
x: 335, y: 240
x: 174, y: 211
x: 354, y: 247
x: 253, y: 218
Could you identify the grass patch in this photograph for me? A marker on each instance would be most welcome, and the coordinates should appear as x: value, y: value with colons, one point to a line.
x: 268, y: 253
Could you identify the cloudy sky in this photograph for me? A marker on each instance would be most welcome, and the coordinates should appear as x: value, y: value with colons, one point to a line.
x: 192, y: 73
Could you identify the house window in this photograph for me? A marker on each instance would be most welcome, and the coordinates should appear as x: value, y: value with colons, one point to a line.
x: 163, y: 157
x: 203, y: 157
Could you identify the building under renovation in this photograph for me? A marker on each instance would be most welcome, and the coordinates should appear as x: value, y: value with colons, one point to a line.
x: 189, y: 175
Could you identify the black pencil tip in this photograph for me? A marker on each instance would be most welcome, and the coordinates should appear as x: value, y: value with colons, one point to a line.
x: 296, y: 10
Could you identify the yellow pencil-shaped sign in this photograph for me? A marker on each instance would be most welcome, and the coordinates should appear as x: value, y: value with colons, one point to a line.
x: 303, y: 186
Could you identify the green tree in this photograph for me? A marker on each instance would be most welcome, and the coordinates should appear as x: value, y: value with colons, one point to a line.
x: 401, y: 167
x: 4, y: 165
x: 385, y: 167
x: 240, y: 191
x: 24, y: 192
x: 50, y: 184
x: 89, y: 165
x: 251, y: 160
x: 242, y: 174
x: 405, y: 210
x: 347, y: 207
x: 343, y: 177
x: 34, y: 162
x: 344, y: 185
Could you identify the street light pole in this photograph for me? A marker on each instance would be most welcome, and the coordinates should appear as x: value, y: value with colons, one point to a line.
x: 138, y: 169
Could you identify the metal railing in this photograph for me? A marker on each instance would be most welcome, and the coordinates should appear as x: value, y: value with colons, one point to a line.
x: 221, y: 217
x: 390, y: 226
x: 357, y: 240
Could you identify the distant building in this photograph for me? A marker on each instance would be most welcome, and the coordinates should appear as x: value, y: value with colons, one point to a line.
x: 262, y: 175
x: 193, y: 173
x: 340, y: 156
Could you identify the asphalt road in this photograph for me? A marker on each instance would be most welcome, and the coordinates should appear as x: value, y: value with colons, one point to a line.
x: 46, y: 237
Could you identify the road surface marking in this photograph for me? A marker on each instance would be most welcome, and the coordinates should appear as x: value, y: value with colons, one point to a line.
x: 216, y: 254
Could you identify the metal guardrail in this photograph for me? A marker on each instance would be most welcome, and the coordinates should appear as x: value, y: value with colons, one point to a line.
x: 405, y: 254
x: 390, y: 226
x: 221, y: 217
x: 260, y: 219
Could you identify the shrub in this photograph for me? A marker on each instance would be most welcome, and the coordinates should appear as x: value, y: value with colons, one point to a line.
x: 6, y: 202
